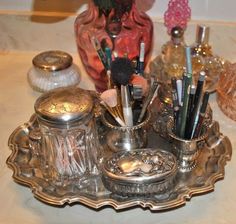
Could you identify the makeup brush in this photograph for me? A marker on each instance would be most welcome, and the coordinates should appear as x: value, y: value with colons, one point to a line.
x: 111, y: 99
x: 121, y: 71
x: 139, y: 89
x: 109, y: 109
x: 108, y: 54
x: 148, y: 100
x: 100, y: 53
x: 202, y: 113
x: 141, y: 58
x: 126, y: 105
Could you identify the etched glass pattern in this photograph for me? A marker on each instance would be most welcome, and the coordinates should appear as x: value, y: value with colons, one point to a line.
x: 69, y: 155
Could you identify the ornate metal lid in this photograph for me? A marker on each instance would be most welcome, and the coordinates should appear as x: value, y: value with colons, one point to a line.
x: 64, y: 105
x: 140, y: 166
x: 52, y: 60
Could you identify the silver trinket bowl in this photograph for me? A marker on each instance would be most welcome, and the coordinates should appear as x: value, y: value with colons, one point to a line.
x: 139, y: 172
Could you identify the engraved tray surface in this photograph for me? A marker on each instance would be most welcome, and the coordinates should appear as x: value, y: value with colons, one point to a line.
x: 210, y: 168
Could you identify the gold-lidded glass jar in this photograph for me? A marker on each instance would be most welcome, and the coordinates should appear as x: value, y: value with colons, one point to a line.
x: 69, y: 141
x: 53, y: 69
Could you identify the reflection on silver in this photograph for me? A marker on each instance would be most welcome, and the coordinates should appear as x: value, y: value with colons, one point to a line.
x: 127, y: 137
x: 140, y: 172
x: 186, y: 151
x: 210, y: 168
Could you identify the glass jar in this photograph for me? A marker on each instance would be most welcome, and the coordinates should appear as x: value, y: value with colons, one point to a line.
x: 68, y: 137
x: 53, y: 69
x: 121, y: 28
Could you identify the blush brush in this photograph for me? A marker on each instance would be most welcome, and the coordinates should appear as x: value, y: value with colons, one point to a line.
x: 121, y: 72
x: 110, y: 98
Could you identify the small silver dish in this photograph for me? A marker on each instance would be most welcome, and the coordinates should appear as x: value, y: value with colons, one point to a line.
x: 139, y: 172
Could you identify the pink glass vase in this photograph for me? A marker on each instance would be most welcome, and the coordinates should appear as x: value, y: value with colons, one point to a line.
x: 122, y: 30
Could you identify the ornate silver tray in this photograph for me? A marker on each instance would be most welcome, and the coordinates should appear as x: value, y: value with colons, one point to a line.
x: 201, y: 180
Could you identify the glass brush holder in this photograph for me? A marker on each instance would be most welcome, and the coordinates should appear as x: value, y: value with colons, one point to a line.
x: 68, y: 148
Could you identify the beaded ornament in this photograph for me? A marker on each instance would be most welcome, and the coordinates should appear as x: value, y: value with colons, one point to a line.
x: 177, y: 14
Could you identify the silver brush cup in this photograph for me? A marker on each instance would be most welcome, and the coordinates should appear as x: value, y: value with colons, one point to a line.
x: 126, y: 138
x: 187, y: 151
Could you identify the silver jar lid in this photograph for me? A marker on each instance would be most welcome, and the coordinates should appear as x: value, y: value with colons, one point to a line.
x: 52, y: 60
x: 140, y: 166
x: 64, y: 105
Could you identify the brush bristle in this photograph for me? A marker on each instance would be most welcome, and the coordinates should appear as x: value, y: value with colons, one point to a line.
x: 110, y: 97
x: 121, y: 71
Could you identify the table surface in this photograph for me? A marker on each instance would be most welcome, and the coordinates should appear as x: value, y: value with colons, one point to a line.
x: 20, y: 206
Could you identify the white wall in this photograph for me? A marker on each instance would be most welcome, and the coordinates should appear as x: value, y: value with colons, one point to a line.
x: 220, y: 10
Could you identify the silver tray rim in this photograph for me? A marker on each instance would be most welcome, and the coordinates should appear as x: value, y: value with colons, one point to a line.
x: 181, y: 200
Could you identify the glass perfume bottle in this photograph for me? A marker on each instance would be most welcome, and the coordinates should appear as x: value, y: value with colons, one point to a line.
x: 213, y: 65
x: 173, y: 54
x: 201, y: 45
x: 170, y: 64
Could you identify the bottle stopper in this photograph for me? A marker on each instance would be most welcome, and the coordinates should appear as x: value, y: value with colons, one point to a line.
x: 177, y: 34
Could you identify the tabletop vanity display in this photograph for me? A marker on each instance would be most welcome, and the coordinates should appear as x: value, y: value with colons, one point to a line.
x: 146, y: 139
x: 150, y: 177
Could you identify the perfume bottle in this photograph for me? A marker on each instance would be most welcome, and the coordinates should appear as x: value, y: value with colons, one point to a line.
x: 201, y: 45
x: 201, y: 50
x: 173, y: 54
x: 171, y: 63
